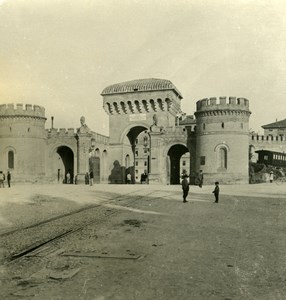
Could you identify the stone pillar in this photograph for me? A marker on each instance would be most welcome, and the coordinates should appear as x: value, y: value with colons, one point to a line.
x: 155, y: 176
x: 84, y: 143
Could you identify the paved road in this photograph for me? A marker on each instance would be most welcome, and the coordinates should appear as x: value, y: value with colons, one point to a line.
x: 154, y: 248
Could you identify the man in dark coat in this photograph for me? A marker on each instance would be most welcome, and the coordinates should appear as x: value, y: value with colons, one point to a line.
x: 9, y: 179
x: 216, y: 191
x: 201, y: 178
x: 185, y: 187
x: 91, y: 178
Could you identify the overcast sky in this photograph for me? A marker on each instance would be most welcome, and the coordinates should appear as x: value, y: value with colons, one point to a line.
x: 62, y: 54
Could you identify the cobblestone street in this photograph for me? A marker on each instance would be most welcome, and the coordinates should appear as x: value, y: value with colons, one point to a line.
x: 142, y: 242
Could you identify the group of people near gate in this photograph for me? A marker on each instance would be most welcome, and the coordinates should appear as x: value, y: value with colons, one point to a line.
x: 199, y: 181
x: 3, y: 178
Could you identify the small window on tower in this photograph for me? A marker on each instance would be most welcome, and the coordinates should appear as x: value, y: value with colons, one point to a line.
x: 11, y: 160
x: 222, y: 125
x: 203, y: 160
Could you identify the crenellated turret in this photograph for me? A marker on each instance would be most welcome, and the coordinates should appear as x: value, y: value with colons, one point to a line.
x: 222, y: 139
x: 230, y: 105
x: 21, y: 110
x: 22, y: 134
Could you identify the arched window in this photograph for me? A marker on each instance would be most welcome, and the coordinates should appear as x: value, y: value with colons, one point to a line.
x: 127, y: 161
x: 11, y: 160
x: 97, y: 152
x: 222, y: 158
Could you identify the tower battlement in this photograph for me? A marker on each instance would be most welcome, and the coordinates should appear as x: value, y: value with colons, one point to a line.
x: 55, y: 132
x: 221, y: 103
x: 20, y: 109
x: 268, y: 139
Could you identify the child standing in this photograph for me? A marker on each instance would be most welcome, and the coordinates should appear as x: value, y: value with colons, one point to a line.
x: 185, y: 187
x: 216, y: 191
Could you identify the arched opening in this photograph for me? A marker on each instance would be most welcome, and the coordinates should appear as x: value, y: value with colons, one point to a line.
x: 67, y: 162
x: 175, y: 168
x: 139, y: 163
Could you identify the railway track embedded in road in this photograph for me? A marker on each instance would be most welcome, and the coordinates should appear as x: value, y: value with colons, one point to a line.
x: 53, y: 229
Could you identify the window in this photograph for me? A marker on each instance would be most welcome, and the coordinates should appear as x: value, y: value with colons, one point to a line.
x: 136, y: 163
x: 145, y: 150
x: 222, y: 158
x: 222, y: 125
x: 145, y: 163
x: 204, y: 126
x: 184, y: 162
x: 265, y: 157
x: 203, y: 160
x: 11, y: 160
x: 136, y: 141
x: 136, y: 153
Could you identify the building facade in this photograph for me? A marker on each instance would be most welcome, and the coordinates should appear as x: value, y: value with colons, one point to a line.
x: 149, y: 133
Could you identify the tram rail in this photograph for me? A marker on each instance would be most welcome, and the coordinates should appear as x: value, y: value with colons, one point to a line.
x: 58, y: 227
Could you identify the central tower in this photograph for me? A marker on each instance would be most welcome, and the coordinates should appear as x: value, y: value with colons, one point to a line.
x: 134, y: 106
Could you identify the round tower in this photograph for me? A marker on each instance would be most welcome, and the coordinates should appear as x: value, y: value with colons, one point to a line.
x: 22, y: 141
x: 222, y: 139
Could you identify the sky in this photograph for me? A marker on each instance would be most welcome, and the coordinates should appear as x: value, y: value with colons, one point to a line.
x: 62, y: 54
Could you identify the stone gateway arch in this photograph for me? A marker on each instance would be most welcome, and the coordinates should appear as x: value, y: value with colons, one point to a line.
x: 145, y: 112
x: 149, y: 133
x: 151, y: 139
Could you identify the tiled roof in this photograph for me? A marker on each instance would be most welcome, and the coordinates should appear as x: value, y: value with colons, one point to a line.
x: 279, y: 124
x: 141, y: 85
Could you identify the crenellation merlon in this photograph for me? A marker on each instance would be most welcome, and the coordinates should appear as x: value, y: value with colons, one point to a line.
x: 268, y: 138
x: 222, y: 103
x: 22, y: 110
x: 54, y: 132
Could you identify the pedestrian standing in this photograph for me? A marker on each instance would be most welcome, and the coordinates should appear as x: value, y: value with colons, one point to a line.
x: 9, y: 179
x: 185, y: 187
x: 86, y: 178
x: 271, y: 177
x: 201, y: 178
x: 216, y: 191
x: 128, y: 178
x: 68, y: 177
x: 2, y: 178
x: 91, y: 178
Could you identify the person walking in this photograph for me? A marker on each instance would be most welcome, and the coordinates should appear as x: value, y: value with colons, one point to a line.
x: 91, y: 178
x: 86, y: 178
x: 68, y: 177
x: 185, y: 188
x: 201, y: 178
x: 9, y: 179
x: 2, y: 178
x: 216, y: 191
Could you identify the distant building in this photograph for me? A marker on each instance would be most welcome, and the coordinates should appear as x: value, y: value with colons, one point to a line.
x: 277, y: 128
